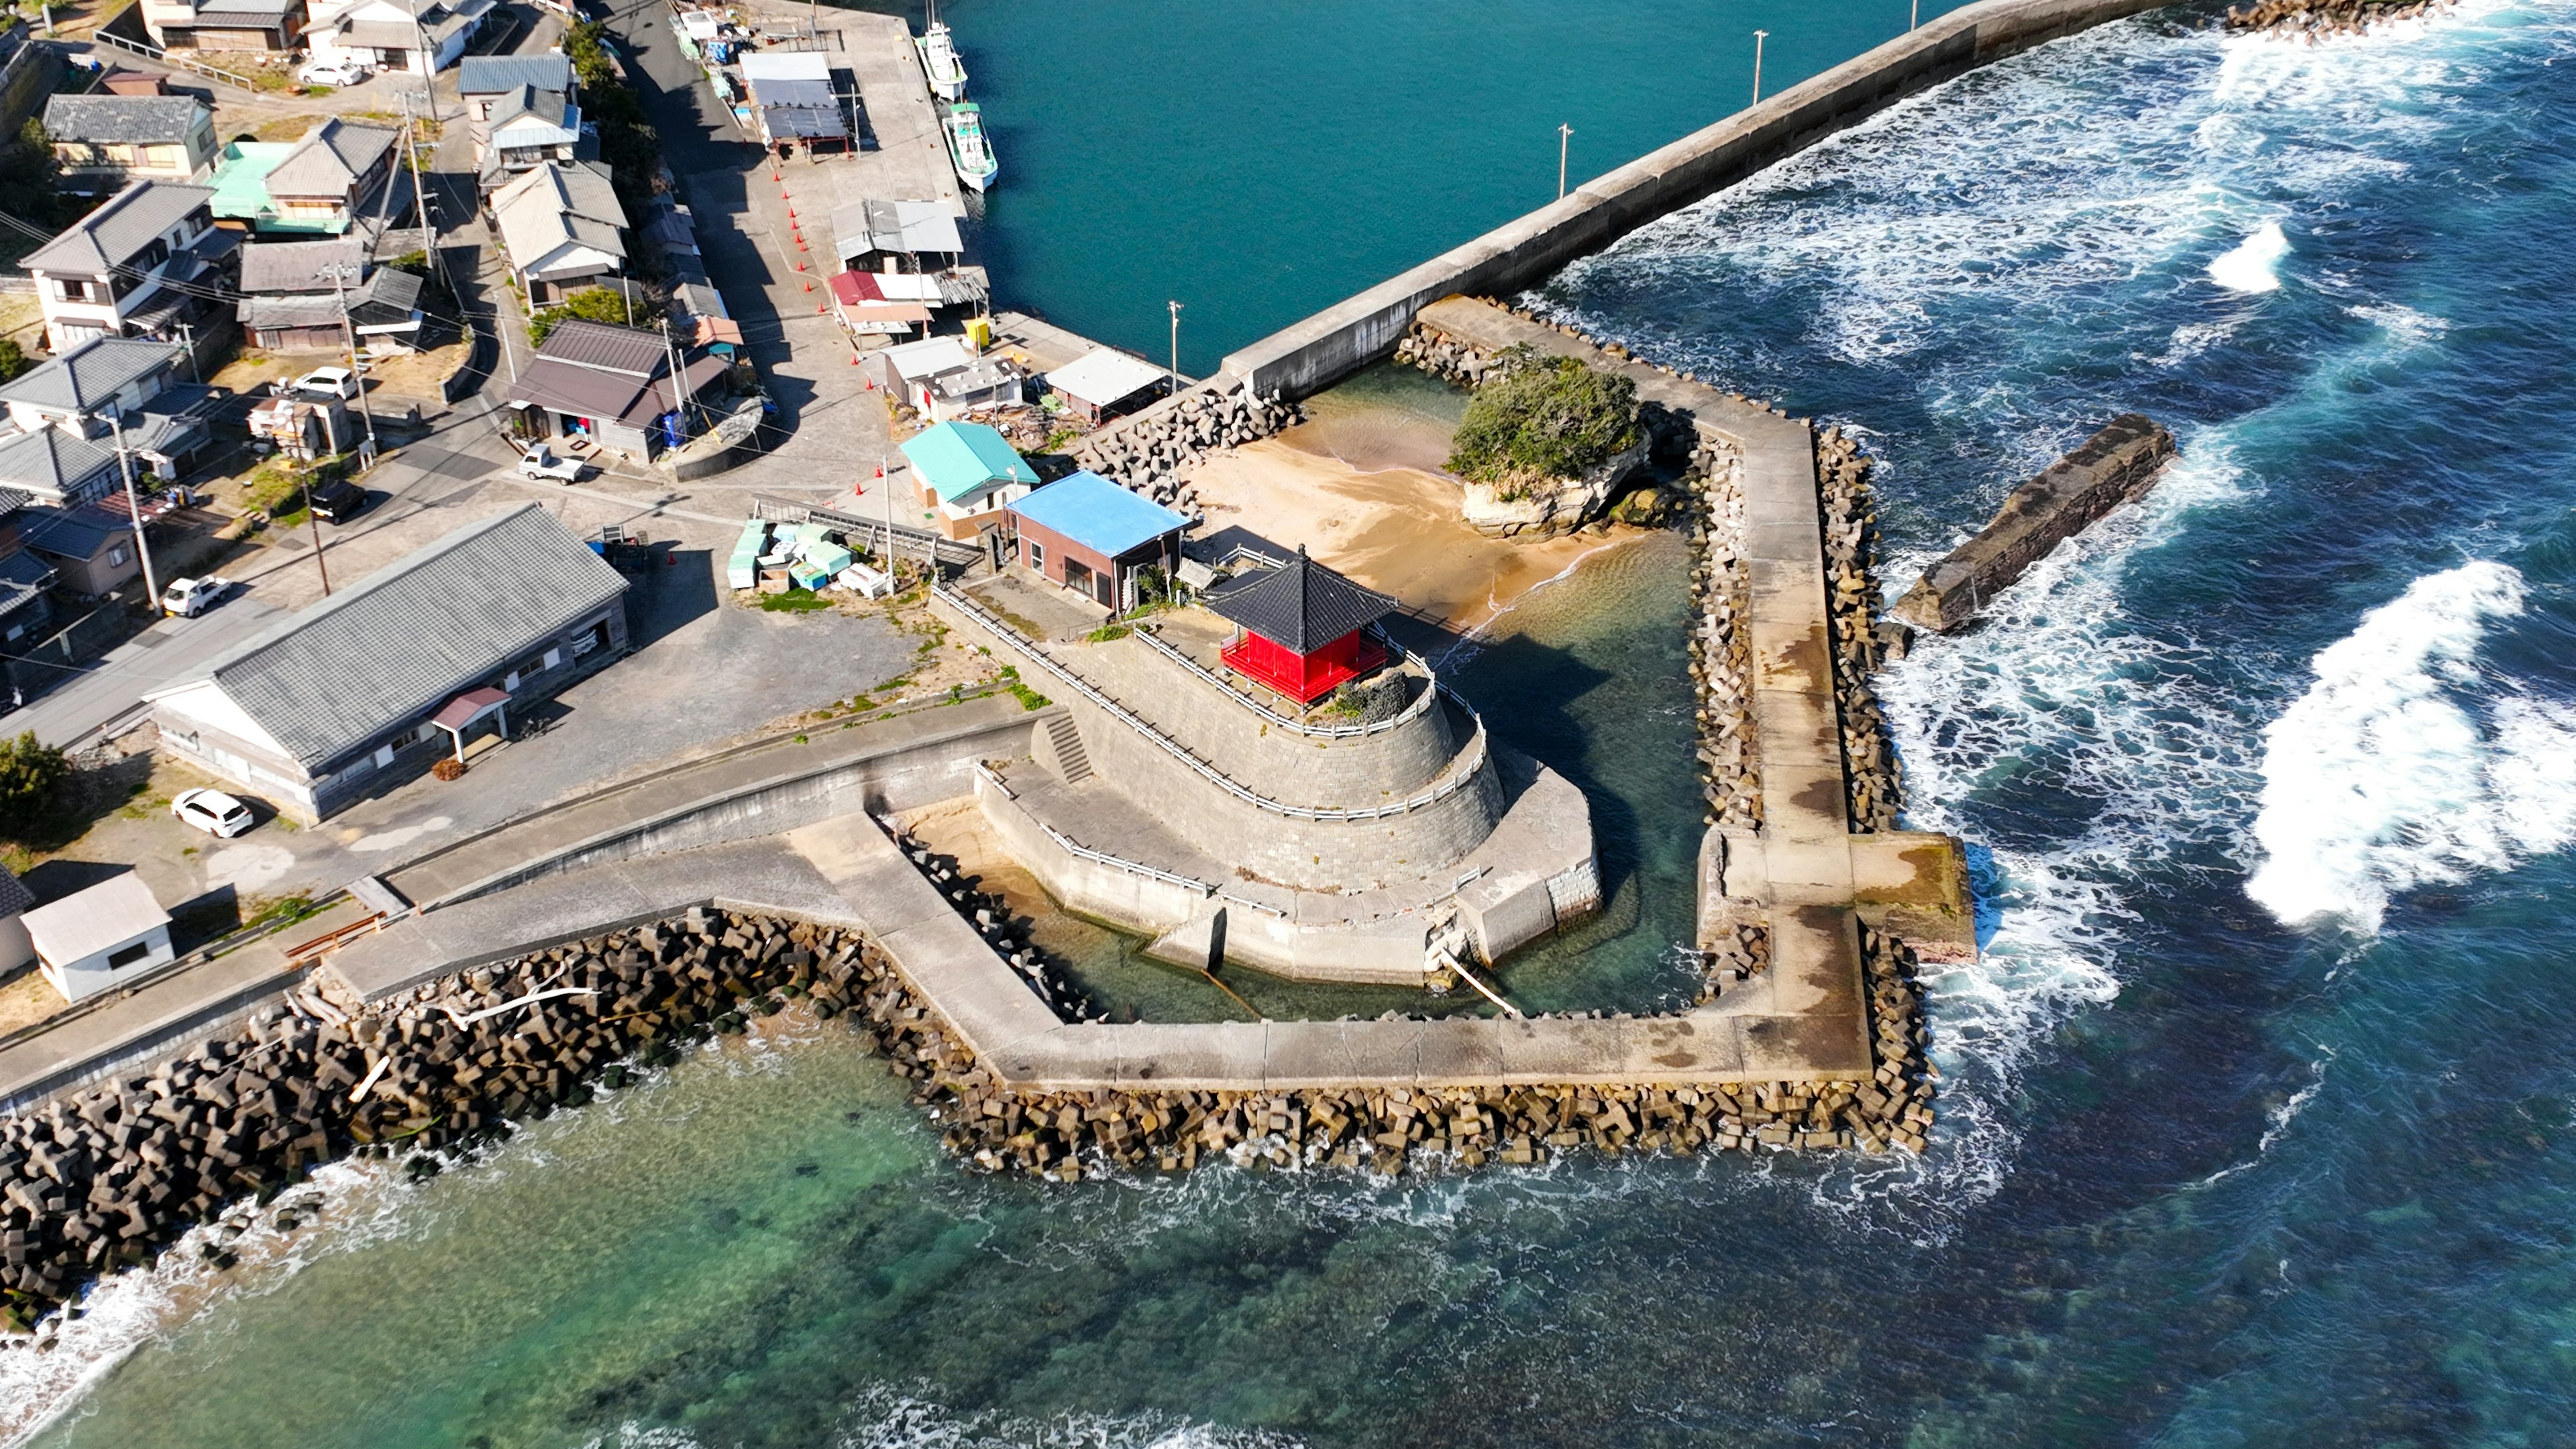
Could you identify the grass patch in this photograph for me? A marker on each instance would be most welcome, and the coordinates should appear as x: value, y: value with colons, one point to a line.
x: 284, y: 911
x: 1107, y: 632
x: 1028, y: 698
x: 794, y: 601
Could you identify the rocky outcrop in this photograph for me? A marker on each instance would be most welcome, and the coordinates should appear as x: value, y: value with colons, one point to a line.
x: 2110, y: 468
x: 1550, y: 506
x: 2313, y: 20
x: 1873, y: 784
x: 1149, y: 451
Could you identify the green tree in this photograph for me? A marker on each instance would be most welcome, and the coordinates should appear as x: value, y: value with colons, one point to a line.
x: 592, y: 304
x: 31, y: 775
x: 13, y: 359
x: 1536, y: 417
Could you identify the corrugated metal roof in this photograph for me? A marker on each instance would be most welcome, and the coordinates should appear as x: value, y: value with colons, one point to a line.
x: 1302, y: 606
x: 787, y: 65
x: 955, y: 459
x: 90, y: 374
x: 608, y: 348
x: 110, y: 236
x: 913, y: 227
x: 128, y: 120
x: 305, y: 266
x: 485, y: 75
x: 1104, y: 376
x: 411, y: 635
x: 1096, y: 513
x: 101, y: 918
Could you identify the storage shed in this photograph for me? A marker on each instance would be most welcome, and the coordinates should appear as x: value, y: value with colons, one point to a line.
x: 1100, y: 381
x: 1093, y: 537
x: 100, y: 938
x: 968, y: 474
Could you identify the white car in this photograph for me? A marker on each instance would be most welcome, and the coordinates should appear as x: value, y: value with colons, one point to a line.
x: 539, y: 461
x: 329, y: 382
x: 212, y: 811
x: 332, y: 73
x: 187, y: 598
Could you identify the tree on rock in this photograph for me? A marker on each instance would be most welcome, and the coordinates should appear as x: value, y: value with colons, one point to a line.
x: 1536, y: 417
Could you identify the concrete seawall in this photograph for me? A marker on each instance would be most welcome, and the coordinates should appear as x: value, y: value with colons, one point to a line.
x: 1302, y: 359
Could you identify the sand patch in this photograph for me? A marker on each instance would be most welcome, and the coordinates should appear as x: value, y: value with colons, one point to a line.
x: 1395, y: 529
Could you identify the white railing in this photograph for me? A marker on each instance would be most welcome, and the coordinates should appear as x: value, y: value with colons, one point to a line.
x: 1286, y: 722
x: 1462, y: 772
x: 1118, y: 862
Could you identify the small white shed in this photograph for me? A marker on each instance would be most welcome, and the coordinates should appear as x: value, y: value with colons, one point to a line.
x: 99, y: 939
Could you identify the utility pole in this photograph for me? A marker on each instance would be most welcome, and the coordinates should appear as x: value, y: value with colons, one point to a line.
x: 349, y: 331
x: 1176, y: 349
x: 134, y: 512
x: 1757, y: 65
x: 420, y: 197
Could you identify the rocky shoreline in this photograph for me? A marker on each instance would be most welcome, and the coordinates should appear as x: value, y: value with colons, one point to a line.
x: 1873, y: 782
x: 2316, y: 19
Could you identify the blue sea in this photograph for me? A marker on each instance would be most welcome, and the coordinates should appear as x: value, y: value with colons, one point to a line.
x: 2259, y: 1108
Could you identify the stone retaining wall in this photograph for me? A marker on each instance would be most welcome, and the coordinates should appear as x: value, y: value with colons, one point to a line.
x: 1873, y: 785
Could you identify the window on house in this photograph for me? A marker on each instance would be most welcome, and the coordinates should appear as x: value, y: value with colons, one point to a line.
x: 120, y: 959
x: 116, y: 557
x: 1037, y: 555
x: 553, y: 658
x: 384, y: 755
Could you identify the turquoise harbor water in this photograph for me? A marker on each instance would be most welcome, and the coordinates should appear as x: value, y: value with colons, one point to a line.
x: 2261, y: 1112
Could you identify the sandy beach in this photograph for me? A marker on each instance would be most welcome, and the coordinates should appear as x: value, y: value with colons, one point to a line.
x: 1360, y: 486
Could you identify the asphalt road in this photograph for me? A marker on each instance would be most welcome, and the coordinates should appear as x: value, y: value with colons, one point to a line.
x: 115, y: 686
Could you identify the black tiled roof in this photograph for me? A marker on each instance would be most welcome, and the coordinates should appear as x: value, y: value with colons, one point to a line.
x: 1302, y: 606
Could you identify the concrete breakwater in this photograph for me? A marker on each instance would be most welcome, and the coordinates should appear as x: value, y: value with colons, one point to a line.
x: 2106, y: 470
x: 1148, y: 451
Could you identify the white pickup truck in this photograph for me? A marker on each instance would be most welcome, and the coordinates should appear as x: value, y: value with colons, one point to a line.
x: 187, y: 598
x: 539, y: 461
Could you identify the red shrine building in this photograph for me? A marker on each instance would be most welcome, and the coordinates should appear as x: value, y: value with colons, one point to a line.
x: 1302, y: 628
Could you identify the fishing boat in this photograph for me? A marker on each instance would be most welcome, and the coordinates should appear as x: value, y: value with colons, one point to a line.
x: 939, y: 61
x: 968, y: 148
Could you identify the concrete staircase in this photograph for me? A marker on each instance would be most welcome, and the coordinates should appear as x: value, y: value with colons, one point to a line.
x: 1060, y: 750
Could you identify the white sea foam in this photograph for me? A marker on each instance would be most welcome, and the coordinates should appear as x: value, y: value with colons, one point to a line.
x: 2405, y: 765
x: 2253, y: 265
x: 891, y: 1419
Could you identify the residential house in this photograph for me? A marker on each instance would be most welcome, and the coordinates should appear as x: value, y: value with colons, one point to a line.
x: 90, y: 548
x: 792, y: 100
x: 320, y: 185
x: 103, y: 142
x: 1094, y: 537
x: 613, y: 385
x: 26, y: 619
x: 103, y: 378
x: 56, y: 467
x: 943, y: 377
x: 528, y: 128
x: 293, y: 294
x: 276, y: 26
x: 99, y: 939
x: 967, y: 475
x: 420, y: 36
x: 482, y: 80
x: 386, y: 676
x: 116, y: 80
x: 896, y: 236
x: 144, y: 263
x: 863, y: 303
x: 1104, y: 381
x: 563, y: 230
x: 16, y: 949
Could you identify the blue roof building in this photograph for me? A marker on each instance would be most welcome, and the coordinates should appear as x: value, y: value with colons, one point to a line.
x: 1094, y: 537
x: 966, y: 471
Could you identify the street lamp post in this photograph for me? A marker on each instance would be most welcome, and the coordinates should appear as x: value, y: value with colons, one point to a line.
x: 1757, y: 65
x: 1176, y: 349
x: 1564, y: 137
x: 1914, y: 15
